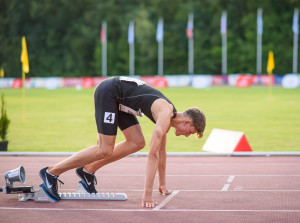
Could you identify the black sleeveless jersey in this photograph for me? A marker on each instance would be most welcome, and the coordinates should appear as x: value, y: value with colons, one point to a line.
x: 136, y: 95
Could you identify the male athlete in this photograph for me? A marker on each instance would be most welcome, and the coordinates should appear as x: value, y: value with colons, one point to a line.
x: 117, y: 102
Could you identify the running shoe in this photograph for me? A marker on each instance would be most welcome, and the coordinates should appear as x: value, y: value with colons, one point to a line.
x: 50, y: 184
x: 88, y: 179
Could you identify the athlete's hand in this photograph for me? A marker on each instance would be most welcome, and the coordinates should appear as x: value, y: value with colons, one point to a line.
x: 147, y: 201
x: 163, y: 190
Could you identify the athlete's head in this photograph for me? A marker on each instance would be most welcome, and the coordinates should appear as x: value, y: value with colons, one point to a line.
x: 193, y: 122
x: 198, y: 120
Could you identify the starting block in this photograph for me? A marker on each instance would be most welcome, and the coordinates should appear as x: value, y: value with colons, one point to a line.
x: 41, y: 195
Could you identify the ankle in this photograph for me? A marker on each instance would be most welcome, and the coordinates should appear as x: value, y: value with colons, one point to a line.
x: 88, y: 171
x: 52, y: 172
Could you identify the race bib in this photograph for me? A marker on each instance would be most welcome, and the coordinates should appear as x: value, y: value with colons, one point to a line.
x: 129, y: 79
x: 109, y: 117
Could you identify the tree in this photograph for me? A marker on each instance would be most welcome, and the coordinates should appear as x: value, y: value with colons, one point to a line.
x: 63, y: 37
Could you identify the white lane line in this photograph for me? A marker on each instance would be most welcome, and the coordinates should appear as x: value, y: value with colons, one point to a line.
x: 166, y: 200
x: 178, y: 175
x: 228, y: 182
x: 143, y: 210
x: 194, y: 164
x: 197, y: 210
x: 184, y: 190
x: 239, y: 191
x: 187, y: 175
x: 234, y: 164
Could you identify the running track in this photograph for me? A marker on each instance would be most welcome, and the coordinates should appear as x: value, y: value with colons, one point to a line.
x: 205, y: 189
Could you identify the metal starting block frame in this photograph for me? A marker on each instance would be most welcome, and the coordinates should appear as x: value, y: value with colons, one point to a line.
x: 18, y: 175
x: 81, y: 194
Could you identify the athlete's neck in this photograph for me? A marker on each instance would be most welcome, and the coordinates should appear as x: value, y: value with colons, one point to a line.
x: 179, y: 118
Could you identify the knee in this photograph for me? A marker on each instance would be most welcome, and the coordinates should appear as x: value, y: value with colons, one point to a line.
x: 103, y: 152
x: 139, y: 143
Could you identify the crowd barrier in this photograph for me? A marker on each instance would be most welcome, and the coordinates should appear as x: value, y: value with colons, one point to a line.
x: 196, y: 81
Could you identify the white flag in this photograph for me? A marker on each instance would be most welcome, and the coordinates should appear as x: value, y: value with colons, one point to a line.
x: 131, y: 32
x: 259, y: 22
x: 160, y: 30
x: 296, y: 21
x: 223, y: 29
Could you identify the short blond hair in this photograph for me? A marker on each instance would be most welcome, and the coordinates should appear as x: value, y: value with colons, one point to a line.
x: 198, y: 120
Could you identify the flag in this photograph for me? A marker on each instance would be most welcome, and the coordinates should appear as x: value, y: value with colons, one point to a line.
x: 296, y: 21
x: 103, y: 34
x: 131, y: 32
x: 190, y: 27
x: 2, y: 72
x: 259, y: 22
x: 24, y: 56
x: 271, y: 63
x: 160, y: 30
x: 223, y: 27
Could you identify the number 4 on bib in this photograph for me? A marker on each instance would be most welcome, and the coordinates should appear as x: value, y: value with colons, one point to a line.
x: 109, y: 117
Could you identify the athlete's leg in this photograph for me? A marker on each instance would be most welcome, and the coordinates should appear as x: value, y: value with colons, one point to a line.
x: 104, y: 148
x: 134, y: 141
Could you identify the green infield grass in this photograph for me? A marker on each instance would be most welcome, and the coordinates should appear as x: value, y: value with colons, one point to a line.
x: 63, y: 119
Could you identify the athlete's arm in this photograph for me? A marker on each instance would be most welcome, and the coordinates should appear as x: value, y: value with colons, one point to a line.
x: 162, y: 167
x: 163, y: 112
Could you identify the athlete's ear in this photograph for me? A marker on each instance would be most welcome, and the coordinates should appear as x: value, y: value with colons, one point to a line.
x: 187, y: 121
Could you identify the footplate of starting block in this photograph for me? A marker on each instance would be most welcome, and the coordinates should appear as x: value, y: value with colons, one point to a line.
x: 98, y: 196
x: 81, y: 194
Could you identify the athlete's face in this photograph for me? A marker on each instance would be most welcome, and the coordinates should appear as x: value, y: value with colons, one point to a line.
x: 185, y: 129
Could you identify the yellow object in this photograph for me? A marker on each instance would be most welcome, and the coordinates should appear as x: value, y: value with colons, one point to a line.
x: 270, y: 67
x: 271, y: 63
x: 2, y: 72
x: 25, y: 69
x: 24, y: 56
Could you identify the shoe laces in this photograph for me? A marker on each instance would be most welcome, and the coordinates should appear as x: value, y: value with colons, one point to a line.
x: 56, y: 185
x: 95, y: 179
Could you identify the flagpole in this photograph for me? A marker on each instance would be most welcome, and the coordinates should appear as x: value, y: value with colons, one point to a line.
x: 160, y: 58
x: 191, y: 56
x: 224, y: 56
x: 23, y: 97
x: 191, y: 47
x: 258, y: 59
x: 131, y: 47
x: 131, y: 66
x: 296, y: 33
x: 224, y: 45
x: 160, y: 40
x: 25, y: 69
x: 295, y: 54
x: 270, y: 67
x: 259, y: 44
x: 104, y: 48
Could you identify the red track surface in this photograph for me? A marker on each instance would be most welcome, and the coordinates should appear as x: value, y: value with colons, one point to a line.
x: 205, y: 189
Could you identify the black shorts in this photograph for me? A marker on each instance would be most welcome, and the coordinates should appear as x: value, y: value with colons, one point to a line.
x: 107, y: 114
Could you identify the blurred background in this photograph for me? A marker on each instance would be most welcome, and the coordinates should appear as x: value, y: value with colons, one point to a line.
x: 63, y: 37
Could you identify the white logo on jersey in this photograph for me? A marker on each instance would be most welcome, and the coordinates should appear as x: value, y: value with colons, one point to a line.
x: 109, y: 117
x: 129, y: 79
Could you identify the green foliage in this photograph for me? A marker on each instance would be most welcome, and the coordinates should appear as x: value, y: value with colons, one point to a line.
x: 4, y: 121
x: 63, y: 37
